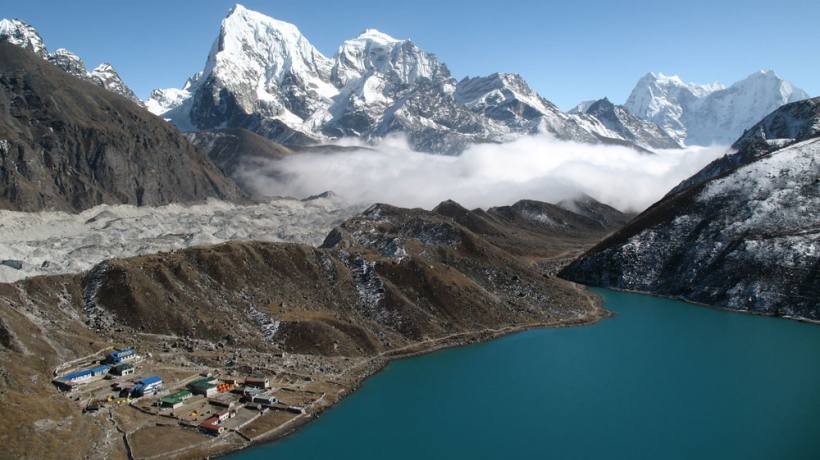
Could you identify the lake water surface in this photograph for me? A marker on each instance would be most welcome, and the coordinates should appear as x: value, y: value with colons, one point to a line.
x: 660, y: 380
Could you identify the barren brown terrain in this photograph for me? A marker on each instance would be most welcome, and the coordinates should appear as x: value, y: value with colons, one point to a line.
x: 388, y: 283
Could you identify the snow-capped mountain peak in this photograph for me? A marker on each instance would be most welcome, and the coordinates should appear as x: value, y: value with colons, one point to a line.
x: 501, y: 89
x: 106, y: 76
x: 68, y: 61
x: 375, y: 52
x: 582, y: 106
x: 376, y: 36
x: 712, y: 113
x: 24, y: 35
x: 624, y: 125
x: 254, y: 48
x: 258, y: 67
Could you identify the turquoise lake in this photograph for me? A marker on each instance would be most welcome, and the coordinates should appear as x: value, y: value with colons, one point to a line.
x: 659, y: 380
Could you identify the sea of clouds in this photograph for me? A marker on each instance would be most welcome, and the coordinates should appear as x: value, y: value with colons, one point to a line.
x: 533, y: 167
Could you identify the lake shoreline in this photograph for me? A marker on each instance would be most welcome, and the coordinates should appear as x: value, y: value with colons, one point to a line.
x: 377, y: 363
x: 694, y: 363
x: 798, y: 319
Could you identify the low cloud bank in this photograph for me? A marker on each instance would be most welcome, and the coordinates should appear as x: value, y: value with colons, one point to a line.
x: 534, y: 167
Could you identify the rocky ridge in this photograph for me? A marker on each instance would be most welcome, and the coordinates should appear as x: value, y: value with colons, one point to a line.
x: 105, y: 76
x: 742, y: 233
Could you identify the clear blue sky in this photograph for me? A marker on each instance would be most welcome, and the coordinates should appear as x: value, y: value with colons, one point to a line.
x: 568, y: 50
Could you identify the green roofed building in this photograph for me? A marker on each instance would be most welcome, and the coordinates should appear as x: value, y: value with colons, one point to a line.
x: 123, y: 369
x: 204, y: 387
x: 175, y: 400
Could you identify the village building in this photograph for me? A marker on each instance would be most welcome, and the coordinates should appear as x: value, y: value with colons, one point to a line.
x: 148, y: 385
x: 257, y: 381
x: 68, y: 381
x: 211, y: 426
x: 123, y: 369
x: 266, y: 399
x: 175, y: 400
x: 231, y: 380
x: 122, y: 355
x: 223, y: 399
x: 249, y: 392
x: 204, y: 386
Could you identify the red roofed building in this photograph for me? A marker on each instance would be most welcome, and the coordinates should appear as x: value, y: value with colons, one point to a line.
x: 211, y: 426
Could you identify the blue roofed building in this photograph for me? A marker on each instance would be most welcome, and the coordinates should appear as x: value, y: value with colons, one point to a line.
x: 122, y: 355
x: 83, y: 376
x: 146, y: 386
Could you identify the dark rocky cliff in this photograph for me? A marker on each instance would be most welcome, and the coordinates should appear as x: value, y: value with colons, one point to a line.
x: 67, y: 144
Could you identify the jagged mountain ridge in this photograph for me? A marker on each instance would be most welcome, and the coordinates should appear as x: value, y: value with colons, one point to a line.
x: 743, y: 233
x: 627, y: 126
x: 263, y: 75
x: 24, y: 35
x: 68, y: 144
x: 709, y: 114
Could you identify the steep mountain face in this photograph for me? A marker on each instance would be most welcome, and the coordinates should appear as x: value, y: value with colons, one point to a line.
x: 709, y: 114
x: 388, y: 85
x: 21, y: 34
x: 629, y: 127
x: 264, y: 75
x: 236, y: 152
x: 743, y: 236
x: 507, y: 100
x: 105, y: 76
x: 68, y: 144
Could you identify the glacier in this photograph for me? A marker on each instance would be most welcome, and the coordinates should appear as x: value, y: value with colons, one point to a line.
x: 47, y: 243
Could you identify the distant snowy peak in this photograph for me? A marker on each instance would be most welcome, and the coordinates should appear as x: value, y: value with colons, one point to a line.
x: 106, y: 76
x: 368, y: 52
x: 661, y: 99
x: 24, y: 35
x: 68, y: 61
x: 254, y: 48
x: 502, y: 96
x: 789, y: 124
x: 374, y: 52
x: 582, y: 106
x: 164, y: 101
x: 706, y: 114
x: 629, y: 127
x: 21, y: 34
x: 263, y: 75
